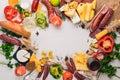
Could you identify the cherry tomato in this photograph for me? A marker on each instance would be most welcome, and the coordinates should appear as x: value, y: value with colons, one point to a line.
x: 10, y: 12
x: 57, y: 21
x: 67, y: 76
x: 20, y: 70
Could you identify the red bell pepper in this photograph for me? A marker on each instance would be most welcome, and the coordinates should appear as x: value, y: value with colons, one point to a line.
x: 18, y: 19
x: 12, y: 14
x: 34, y: 5
x: 106, y: 44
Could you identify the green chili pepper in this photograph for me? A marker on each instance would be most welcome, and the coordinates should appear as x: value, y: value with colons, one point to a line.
x: 56, y: 71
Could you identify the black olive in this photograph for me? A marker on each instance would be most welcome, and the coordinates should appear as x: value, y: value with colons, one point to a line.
x: 93, y: 64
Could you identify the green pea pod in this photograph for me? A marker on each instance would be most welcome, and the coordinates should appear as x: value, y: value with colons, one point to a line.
x: 56, y: 71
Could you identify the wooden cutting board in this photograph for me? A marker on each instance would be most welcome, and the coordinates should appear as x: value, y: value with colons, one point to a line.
x: 114, y: 4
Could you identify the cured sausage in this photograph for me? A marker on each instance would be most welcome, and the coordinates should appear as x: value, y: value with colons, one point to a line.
x: 40, y: 73
x: 57, y: 12
x: 10, y: 39
x: 79, y: 76
x: 62, y: 3
x: 46, y: 72
x: 69, y: 67
x: 73, y: 64
x: 106, y: 18
x: 78, y: 1
x: 99, y: 18
x: 49, y: 7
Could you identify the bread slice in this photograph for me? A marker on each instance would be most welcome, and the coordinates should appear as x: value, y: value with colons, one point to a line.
x: 16, y: 28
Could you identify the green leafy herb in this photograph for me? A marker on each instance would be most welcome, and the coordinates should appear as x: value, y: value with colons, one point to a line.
x: 10, y: 33
x: 7, y: 49
x: 10, y: 64
x: 117, y: 47
x: 106, y: 67
x: 113, y: 34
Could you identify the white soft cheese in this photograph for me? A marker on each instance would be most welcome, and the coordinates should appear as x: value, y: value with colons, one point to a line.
x: 23, y: 55
x: 75, y: 19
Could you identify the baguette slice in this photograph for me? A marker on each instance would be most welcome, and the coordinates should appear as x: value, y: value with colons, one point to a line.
x: 16, y: 28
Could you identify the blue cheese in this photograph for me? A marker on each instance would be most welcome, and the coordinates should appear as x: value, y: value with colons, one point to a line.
x: 75, y: 19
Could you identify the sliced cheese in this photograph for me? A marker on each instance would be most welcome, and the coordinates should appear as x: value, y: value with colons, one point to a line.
x: 94, y: 4
x: 88, y: 11
x: 80, y: 61
x: 81, y: 9
x: 75, y: 19
x: 70, y: 13
x: 92, y: 13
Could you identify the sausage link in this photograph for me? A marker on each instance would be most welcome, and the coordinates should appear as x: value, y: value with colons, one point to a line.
x: 70, y: 69
x: 49, y: 7
x: 10, y: 39
x: 98, y: 19
x: 62, y: 3
x: 57, y: 12
x: 79, y: 76
x: 73, y: 64
x: 46, y: 72
x: 106, y: 18
x: 40, y: 73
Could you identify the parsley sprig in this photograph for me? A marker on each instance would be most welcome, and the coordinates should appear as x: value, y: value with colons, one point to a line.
x: 106, y: 67
x: 7, y: 49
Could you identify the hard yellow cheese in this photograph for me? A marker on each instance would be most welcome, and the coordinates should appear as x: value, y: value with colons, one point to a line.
x: 80, y: 61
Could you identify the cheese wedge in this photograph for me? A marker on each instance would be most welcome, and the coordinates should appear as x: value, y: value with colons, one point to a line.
x: 81, y: 9
x: 88, y: 11
x: 70, y: 13
x: 80, y: 61
x: 75, y: 19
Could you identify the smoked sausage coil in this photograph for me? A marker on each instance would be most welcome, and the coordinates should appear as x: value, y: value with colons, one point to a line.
x: 10, y: 39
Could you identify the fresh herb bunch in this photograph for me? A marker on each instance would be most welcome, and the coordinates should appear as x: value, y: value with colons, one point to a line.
x: 10, y: 33
x: 10, y: 65
x: 106, y: 67
x: 7, y: 49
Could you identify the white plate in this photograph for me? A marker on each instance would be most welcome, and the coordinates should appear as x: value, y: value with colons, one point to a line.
x: 63, y: 41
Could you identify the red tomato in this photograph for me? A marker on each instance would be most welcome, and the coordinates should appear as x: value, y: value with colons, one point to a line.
x: 67, y: 76
x: 20, y: 70
x: 57, y: 21
x: 10, y: 12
